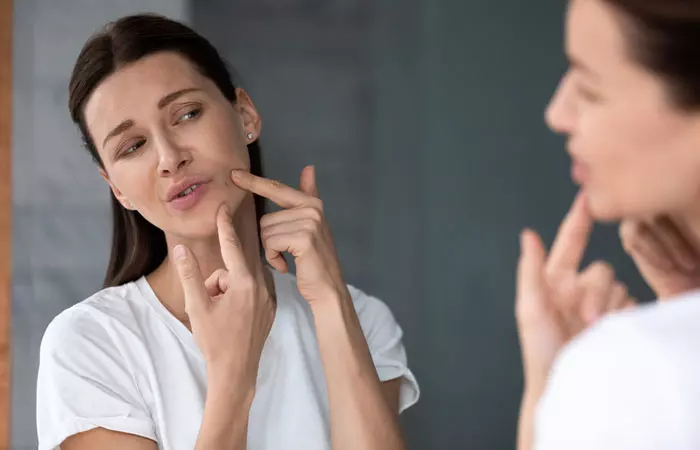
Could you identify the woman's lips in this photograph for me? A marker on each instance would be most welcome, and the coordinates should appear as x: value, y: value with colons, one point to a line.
x: 579, y: 172
x: 191, y: 199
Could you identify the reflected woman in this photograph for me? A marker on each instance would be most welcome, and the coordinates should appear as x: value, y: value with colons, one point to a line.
x: 630, y: 106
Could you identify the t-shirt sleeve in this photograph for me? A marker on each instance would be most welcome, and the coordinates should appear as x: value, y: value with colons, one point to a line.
x: 610, y: 389
x: 384, y: 338
x: 83, y: 383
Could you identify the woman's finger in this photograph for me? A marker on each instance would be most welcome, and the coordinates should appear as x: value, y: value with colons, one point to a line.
x: 283, y: 237
x: 295, y: 243
x: 231, y: 248
x: 188, y: 272
x: 571, y: 240
x: 531, y: 294
x: 276, y: 260
x: 289, y: 227
x: 290, y: 215
x: 279, y: 193
x: 307, y: 183
x: 644, y: 247
x: 618, y: 299
x: 217, y: 283
x: 596, y: 281
x: 678, y: 247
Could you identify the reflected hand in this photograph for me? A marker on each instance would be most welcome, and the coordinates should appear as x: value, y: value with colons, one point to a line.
x: 665, y: 254
x: 554, y: 301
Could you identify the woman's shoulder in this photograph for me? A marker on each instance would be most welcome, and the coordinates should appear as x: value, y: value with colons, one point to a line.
x: 640, y: 365
x: 651, y: 343
x: 666, y: 325
x: 94, y: 318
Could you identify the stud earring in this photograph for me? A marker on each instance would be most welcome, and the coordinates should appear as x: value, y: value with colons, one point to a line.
x: 250, y: 136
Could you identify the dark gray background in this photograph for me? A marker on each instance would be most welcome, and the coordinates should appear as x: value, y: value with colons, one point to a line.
x: 425, y: 121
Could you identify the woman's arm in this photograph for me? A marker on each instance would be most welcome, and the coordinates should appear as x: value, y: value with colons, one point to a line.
x: 362, y: 417
x: 107, y: 440
x: 224, y: 426
x: 226, y: 412
x: 526, y: 421
x: 392, y: 393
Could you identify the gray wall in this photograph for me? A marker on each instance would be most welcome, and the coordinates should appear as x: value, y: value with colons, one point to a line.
x: 424, y: 118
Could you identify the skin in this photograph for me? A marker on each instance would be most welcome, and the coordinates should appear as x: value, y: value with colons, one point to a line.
x: 213, y: 279
x: 635, y: 157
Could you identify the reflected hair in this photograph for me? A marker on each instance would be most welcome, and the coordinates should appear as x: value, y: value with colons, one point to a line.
x: 663, y: 36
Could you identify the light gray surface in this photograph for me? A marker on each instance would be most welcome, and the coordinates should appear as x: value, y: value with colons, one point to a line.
x: 424, y: 118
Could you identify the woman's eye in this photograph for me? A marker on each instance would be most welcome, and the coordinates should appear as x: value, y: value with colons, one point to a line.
x: 132, y: 148
x: 189, y: 115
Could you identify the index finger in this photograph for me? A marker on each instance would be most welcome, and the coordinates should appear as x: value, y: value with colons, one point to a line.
x: 190, y: 277
x: 572, y: 238
x: 231, y: 249
x: 281, y: 194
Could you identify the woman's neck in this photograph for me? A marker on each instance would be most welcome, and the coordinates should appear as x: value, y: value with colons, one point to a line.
x: 164, y: 280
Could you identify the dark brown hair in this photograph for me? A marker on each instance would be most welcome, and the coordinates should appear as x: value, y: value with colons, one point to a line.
x: 138, y: 246
x: 664, y: 36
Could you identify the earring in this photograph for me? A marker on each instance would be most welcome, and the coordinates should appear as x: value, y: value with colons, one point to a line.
x: 250, y: 136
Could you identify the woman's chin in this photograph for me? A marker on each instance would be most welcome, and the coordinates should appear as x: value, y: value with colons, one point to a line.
x: 603, y: 209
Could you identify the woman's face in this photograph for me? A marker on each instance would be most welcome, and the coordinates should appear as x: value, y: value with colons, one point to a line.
x: 169, y: 139
x: 634, y: 153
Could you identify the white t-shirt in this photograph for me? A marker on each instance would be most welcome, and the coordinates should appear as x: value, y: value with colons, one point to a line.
x: 632, y: 382
x: 119, y: 360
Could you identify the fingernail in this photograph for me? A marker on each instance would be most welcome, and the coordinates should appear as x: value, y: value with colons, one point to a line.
x: 179, y: 252
x: 236, y: 174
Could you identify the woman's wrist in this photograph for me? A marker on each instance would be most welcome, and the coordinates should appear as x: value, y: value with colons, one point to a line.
x: 332, y: 303
x: 236, y: 387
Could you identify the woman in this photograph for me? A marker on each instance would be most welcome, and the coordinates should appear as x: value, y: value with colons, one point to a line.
x: 194, y: 342
x: 630, y: 104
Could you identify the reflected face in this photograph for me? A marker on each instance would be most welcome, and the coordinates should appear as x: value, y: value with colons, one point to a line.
x: 634, y: 153
x: 168, y: 139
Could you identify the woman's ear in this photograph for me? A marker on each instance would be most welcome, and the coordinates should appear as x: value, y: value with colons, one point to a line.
x: 252, y: 123
x: 117, y: 193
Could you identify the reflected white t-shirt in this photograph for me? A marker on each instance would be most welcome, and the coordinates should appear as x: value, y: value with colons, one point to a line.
x: 119, y: 360
x: 631, y: 382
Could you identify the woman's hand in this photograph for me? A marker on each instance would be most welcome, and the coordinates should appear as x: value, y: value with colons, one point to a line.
x: 555, y: 302
x: 233, y: 308
x: 360, y: 415
x: 301, y: 230
x: 665, y: 253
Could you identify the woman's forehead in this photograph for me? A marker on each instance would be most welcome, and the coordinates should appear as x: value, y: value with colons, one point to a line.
x: 140, y: 86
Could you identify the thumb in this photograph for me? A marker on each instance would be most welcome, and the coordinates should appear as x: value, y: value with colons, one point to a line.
x: 531, y: 287
x: 307, y: 183
x: 196, y: 297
